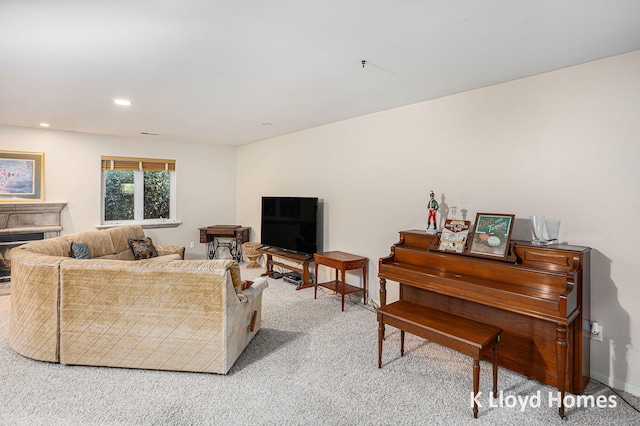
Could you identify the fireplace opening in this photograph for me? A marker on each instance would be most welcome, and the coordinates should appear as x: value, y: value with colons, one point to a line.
x: 9, y: 241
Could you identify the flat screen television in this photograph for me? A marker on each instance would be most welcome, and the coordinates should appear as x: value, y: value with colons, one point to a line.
x: 290, y: 223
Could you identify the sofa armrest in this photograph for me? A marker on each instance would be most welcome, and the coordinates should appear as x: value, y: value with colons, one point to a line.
x: 250, y: 293
x: 170, y: 249
x: 33, y: 320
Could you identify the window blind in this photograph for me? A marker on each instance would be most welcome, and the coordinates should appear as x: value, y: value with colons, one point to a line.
x: 129, y: 163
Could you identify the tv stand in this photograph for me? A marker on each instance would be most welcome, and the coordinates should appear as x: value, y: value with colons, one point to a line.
x: 302, y: 260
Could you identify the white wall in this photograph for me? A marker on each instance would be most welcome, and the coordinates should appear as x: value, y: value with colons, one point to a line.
x: 565, y: 144
x: 205, y: 178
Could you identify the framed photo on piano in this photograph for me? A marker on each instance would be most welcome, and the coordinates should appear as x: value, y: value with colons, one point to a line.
x: 454, y: 236
x: 492, y: 234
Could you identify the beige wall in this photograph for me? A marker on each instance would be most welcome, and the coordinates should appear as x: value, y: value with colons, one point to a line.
x: 205, y: 178
x: 565, y: 144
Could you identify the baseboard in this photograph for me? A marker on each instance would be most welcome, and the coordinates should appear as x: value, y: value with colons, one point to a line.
x: 617, y: 384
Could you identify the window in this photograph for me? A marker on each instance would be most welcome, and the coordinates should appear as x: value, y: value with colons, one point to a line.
x: 138, y: 190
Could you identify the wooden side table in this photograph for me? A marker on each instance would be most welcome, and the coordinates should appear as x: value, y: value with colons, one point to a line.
x: 342, y: 262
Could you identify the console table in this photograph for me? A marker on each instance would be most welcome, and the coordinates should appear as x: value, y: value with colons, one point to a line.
x: 238, y: 235
x: 343, y: 262
x: 302, y: 260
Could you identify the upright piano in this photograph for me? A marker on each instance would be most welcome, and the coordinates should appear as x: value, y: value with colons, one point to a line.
x: 540, y: 298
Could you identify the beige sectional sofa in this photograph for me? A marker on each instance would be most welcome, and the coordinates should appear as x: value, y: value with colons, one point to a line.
x: 111, y: 310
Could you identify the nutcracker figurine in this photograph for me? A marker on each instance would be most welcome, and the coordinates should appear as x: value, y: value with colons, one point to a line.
x: 432, y: 206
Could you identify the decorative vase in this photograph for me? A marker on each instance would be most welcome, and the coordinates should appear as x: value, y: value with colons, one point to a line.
x: 537, y: 229
x: 252, y: 253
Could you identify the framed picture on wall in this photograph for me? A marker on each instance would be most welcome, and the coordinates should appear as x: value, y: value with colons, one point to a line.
x: 21, y: 176
x: 492, y: 235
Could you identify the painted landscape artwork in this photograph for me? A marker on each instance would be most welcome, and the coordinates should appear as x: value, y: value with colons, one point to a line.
x: 17, y: 177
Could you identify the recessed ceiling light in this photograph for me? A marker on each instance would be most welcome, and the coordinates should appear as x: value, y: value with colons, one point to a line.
x: 267, y: 123
x: 44, y: 124
x: 122, y: 102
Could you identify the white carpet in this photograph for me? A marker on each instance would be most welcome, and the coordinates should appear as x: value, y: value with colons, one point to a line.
x: 310, y: 364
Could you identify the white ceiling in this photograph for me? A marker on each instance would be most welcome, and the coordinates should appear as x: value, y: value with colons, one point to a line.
x: 214, y: 71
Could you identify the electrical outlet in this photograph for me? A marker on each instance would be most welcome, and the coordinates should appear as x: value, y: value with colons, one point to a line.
x: 596, y: 331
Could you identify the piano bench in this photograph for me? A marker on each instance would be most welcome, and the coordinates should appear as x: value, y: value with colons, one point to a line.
x: 464, y: 335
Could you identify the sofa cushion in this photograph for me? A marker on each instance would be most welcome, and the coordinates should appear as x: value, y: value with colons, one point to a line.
x: 120, y: 239
x: 170, y: 249
x: 80, y: 250
x: 99, y: 242
x: 143, y: 249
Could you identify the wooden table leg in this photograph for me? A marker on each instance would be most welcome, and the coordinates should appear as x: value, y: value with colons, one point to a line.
x: 315, y: 282
x: 364, y: 283
x: 401, y: 342
x: 343, y: 279
x: 380, y: 339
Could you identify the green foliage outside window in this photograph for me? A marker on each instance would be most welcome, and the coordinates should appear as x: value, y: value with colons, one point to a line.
x: 119, y: 197
x: 157, y: 190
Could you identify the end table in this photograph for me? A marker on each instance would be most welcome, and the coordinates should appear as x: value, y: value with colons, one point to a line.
x: 342, y: 262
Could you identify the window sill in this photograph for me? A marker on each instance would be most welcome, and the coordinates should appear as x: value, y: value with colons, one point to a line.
x: 145, y: 224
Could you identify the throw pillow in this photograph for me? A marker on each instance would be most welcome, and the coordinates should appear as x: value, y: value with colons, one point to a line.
x: 80, y: 250
x: 235, y: 278
x: 246, y: 284
x: 143, y: 249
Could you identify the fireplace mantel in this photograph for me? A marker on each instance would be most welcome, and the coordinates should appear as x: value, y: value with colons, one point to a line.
x: 26, y: 218
x: 19, y: 218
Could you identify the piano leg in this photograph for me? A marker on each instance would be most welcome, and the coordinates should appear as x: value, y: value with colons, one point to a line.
x: 561, y: 364
x: 383, y: 298
x: 494, y: 359
x: 383, y: 292
x: 476, y: 385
